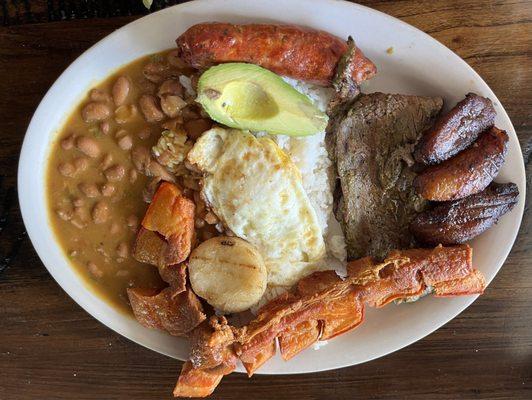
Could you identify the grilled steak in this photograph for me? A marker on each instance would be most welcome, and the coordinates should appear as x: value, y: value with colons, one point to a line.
x: 372, y: 145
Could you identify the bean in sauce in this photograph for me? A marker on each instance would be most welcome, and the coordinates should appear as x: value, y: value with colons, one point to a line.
x: 101, y: 172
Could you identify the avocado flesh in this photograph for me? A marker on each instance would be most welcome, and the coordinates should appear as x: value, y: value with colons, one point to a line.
x: 246, y: 96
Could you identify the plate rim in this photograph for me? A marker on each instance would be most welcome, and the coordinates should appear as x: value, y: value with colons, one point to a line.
x: 136, y: 338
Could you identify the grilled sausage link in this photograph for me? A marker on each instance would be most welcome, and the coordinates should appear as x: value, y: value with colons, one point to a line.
x: 467, y: 173
x: 456, y: 130
x: 288, y: 50
x: 458, y: 221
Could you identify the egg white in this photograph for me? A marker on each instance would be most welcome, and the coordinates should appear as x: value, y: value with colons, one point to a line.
x: 257, y: 192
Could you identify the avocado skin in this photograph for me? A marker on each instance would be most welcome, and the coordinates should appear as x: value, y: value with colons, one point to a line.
x: 249, y: 97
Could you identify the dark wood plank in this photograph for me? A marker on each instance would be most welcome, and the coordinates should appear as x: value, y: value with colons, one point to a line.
x: 51, y: 349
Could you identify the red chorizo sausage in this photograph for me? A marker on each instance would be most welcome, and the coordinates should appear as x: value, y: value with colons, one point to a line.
x: 288, y: 50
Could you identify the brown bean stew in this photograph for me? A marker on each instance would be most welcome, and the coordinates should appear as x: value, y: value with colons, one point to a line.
x: 103, y: 170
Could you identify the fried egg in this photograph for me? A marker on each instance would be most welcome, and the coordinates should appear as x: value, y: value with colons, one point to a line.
x: 257, y: 192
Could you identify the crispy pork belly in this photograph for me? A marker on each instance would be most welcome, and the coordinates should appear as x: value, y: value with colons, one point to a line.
x: 165, y: 237
x: 172, y: 310
x: 323, y: 306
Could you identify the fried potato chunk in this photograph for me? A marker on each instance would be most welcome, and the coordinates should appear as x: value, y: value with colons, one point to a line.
x: 228, y: 272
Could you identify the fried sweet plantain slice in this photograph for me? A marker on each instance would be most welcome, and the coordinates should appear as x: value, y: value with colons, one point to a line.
x: 175, y: 311
x: 455, y: 130
x: 195, y: 382
x: 461, y: 220
x: 467, y: 173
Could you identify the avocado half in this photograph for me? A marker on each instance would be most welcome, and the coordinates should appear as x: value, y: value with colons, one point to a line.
x: 249, y: 97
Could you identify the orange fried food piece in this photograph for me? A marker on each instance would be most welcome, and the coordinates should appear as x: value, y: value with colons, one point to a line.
x: 171, y: 215
x: 177, y: 312
x: 382, y: 283
x: 339, y: 314
x: 320, y: 301
x: 467, y: 173
x: 211, y: 346
x: 296, y: 339
x: 195, y: 382
x: 174, y: 275
x: 316, y: 282
x: 285, y: 312
x: 442, y: 264
x: 342, y: 315
x: 409, y: 273
x: 260, y: 358
x: 473, y: 283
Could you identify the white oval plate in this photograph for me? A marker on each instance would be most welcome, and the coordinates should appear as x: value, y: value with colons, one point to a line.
x: 419, y: 65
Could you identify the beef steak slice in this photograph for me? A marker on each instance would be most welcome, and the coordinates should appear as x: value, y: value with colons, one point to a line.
x: 372, y: 147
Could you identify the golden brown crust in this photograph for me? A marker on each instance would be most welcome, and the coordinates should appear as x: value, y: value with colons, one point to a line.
x: 467, y: 173
x: 195, y: 382
x: 267, y: 353
x: 295, y: 339
x: 177, y: 312
x: 288, y: 50
x: 455, y: 130
x: 211, y: 346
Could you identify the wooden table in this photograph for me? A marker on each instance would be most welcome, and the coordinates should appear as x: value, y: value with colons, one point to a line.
x: 51, y: 349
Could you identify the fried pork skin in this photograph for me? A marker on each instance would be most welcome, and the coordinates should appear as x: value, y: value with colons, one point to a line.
x: 323, y: 306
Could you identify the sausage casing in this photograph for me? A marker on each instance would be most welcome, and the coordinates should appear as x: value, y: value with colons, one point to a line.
x: 455, y: 222
x: 296, y: 52
x: 467, y: 173
x: 456, y: 130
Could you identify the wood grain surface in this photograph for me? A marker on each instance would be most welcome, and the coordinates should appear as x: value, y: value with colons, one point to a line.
x: 52, y: 349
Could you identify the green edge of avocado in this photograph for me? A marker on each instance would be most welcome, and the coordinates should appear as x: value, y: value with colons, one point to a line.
x: 249, y: 97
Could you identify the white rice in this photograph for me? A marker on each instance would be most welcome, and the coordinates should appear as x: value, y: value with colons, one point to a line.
x: 310, y: 156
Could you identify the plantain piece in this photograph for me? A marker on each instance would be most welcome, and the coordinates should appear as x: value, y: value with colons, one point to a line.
x: 456, y: 130
x: 467, y: 173
x: 458, y: 221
